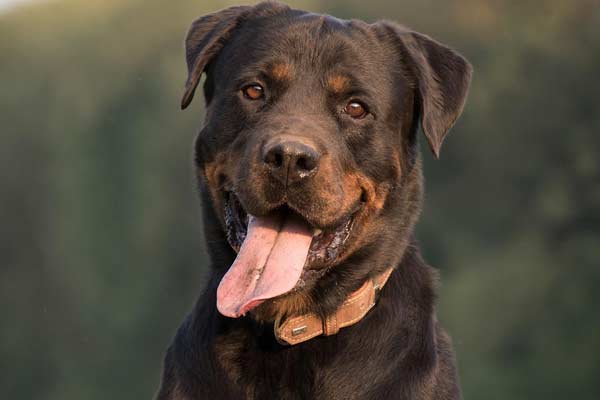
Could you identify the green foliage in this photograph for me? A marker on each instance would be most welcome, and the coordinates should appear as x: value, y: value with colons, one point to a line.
x: 101, y: 243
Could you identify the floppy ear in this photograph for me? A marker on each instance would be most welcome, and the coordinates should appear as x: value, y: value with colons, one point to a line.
x: 442, y: 80
x: 205, y: 38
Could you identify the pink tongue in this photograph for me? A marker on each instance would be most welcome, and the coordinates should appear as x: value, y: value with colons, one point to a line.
x: 268, y: 264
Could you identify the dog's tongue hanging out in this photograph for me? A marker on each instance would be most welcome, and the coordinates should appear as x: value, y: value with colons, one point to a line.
x: 268, y: 264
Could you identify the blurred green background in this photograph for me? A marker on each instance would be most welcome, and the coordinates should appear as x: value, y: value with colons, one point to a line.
x: 101, y: 247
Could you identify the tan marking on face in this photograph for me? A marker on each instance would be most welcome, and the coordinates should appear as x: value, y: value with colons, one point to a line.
x: 282, y: 71
x: 213, y: 173
x: 366, y: 223
x: 338, y: 83
x: 375, y: 194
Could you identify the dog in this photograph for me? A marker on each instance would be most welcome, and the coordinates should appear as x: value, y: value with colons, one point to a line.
x: 311, y: 183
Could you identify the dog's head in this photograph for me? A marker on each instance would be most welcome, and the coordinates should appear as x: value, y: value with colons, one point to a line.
x: 308, y: 153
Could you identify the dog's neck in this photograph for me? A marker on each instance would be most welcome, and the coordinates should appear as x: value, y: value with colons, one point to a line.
x: 304, y: 327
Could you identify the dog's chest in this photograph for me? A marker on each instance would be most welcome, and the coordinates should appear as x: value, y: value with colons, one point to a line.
x: 322, y: 369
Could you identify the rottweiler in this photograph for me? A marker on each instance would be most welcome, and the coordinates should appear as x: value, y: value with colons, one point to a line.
x: 311, y: 184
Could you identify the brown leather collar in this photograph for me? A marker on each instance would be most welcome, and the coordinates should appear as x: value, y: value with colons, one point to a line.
x: 305, y: 327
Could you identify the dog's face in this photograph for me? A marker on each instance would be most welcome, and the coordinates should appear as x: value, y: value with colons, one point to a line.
x: 308, y: 152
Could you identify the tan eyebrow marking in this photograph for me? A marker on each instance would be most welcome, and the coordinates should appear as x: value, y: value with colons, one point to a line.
x: 338, y: 83
x: 282, y: 71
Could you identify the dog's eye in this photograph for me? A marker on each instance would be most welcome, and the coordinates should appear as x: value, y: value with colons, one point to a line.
x: 355, y: 109
x: 253, y: 92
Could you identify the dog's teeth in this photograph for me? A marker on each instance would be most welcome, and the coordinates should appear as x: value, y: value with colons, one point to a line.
x: 317, y: 232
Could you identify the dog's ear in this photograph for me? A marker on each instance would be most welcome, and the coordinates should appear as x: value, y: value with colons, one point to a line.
x: 442, y: 78
x: 208, y: 34
x: 205, y: 38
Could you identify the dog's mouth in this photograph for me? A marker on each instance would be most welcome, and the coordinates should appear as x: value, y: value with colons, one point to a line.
x: 276, y: 254
x: 325, y: 246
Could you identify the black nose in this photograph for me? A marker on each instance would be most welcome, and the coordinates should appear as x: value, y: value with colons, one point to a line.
x: 290, y: 160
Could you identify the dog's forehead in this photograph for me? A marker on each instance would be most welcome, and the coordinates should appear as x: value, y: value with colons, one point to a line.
x: 288, y: 45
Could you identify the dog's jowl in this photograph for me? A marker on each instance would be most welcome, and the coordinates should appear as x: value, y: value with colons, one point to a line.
x: 310, y: 181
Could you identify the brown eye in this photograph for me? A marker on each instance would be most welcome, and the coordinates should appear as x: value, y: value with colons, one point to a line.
x: 356, y: 110
x: 253, y: 92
